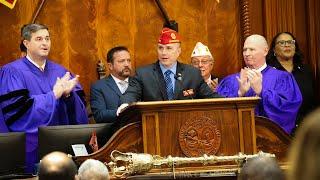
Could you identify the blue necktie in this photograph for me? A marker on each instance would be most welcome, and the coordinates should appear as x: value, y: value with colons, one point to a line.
x: 169, y: 85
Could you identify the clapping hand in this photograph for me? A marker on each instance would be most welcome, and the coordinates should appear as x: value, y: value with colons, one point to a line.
x: 249, y: 78
x: 213, y: 84
x: 255, y: 78
x: 65, y: 85
x: 244, y: 83
x: 121, y: 108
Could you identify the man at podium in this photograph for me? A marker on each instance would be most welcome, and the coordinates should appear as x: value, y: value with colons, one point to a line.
x: 167, y: 79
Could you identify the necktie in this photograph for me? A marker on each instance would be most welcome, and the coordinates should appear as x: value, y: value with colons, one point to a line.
x: 124, y: 86
x: 169, y: 84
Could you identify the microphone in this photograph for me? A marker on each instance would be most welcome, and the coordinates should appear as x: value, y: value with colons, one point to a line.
x: 178, y: 77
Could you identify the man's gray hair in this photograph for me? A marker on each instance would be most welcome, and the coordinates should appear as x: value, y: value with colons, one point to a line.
x: 93, y: 169
x: 28, y: 29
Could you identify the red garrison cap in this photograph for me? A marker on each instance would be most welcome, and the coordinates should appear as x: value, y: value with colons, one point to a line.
x: 169, y: 36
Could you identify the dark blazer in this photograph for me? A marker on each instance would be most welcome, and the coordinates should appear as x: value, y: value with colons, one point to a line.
x: 149, y: 84
x: 105, y: 99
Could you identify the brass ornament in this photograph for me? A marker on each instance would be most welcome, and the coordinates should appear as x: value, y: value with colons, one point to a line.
x: 126, y: 164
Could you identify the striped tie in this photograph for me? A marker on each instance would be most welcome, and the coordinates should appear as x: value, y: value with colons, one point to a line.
x: 169, y: 85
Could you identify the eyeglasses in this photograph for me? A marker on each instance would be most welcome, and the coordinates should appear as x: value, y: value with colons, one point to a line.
x: 205, y: 62
x: 288, y: 42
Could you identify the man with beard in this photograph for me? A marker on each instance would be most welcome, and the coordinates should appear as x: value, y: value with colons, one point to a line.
x: 35, y: 92
x: 105, y: 93
x: 279, y: 92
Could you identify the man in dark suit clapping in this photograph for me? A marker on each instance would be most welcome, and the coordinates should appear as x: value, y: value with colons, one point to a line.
x: 105, y: 93
x: 167, y: 79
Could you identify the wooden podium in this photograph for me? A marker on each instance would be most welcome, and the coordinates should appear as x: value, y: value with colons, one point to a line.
x: 196, y: 127
x: 185, y: 128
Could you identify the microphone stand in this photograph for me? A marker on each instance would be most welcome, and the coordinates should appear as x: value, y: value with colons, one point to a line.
x: 178, y: 78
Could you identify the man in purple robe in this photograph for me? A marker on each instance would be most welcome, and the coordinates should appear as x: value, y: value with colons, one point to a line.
x: 38, y: 92
x: 279, y: 92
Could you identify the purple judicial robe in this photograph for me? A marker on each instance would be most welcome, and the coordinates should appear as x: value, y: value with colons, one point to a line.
x: 3, y: 127
x: 280, y: 96
x: 27, y: 102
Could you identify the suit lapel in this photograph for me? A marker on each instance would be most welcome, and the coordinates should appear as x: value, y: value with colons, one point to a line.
x: 178, y: 86
x: 112, y: 84
x: 159, y: 77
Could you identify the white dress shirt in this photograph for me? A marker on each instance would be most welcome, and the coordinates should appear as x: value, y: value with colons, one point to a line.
x: 34, y: 63
x: 122, y: 84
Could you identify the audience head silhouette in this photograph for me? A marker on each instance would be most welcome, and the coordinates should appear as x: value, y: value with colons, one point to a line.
x: 305, y: 150
x: 57, y: 165
x: 261, y: 168
x: 93, y: 170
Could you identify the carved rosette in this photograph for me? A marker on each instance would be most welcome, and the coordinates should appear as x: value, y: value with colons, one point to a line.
x: 199, y: 136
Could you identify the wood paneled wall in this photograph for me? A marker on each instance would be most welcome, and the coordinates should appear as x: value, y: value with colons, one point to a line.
x: 281, y: 13
x: 83, y: 31
x: 313, y: 39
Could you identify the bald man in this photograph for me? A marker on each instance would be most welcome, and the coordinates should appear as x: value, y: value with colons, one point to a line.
x: 279, y: 92
x: 57, y: 165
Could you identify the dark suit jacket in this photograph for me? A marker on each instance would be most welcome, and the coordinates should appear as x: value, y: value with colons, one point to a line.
x: 149, y: 84
x: 105, y: 99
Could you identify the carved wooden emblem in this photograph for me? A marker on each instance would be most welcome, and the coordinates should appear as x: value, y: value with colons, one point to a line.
x: 199, y: 136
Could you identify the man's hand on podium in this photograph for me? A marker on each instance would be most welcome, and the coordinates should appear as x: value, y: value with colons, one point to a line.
x: 121, y: 108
